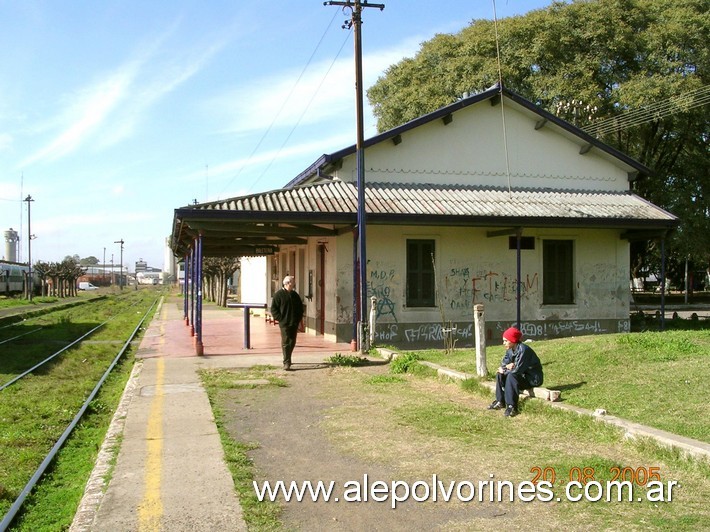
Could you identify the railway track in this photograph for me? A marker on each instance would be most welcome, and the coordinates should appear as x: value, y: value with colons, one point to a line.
x: 51, y: 369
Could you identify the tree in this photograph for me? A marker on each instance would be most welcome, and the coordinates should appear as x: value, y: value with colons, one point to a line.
x: 589, y: 62
x: 216, y: 272
x: 42, y: 270
x: 89, y: 261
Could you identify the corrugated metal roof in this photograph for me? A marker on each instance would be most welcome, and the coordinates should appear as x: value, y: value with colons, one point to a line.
x: 385, y: 200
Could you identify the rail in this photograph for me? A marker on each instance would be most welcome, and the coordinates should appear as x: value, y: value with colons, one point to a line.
x: 15, y: 508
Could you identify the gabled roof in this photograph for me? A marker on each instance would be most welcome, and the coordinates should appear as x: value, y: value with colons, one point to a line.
x: 289, y: 215
x: 490, y: 94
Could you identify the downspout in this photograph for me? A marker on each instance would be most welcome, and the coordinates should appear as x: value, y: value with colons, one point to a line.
x: 518, y: 234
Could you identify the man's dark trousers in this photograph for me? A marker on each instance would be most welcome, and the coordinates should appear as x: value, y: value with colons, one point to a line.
x: 288, y: 341
x: 508, y: 388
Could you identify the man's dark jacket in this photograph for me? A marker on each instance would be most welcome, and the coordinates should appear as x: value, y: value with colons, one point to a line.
x: 527, y: 364
x: 287, y: 308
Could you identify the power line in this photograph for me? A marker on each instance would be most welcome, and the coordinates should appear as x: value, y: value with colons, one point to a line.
x: 502, y: 100
x: 278, y: 113
x: 303, y: 113
x: 649, y: 113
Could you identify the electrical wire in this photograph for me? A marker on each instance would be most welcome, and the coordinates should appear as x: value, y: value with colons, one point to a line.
x: 649, y: 113
x: 502, y: 109
x: 278, y: 113
x: 305, y: 109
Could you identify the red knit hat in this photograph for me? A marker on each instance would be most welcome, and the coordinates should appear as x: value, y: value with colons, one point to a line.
x: 512, y: 335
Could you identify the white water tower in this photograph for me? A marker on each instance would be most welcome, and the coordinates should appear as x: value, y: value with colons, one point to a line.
x: 12, y: 240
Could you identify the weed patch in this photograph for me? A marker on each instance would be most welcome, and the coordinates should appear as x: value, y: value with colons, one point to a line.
x: 347, y: 360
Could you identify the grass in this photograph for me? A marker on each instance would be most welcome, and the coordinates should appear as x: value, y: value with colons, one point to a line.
x: 424, y: 426
x: 258, y: 515
x: 10, y: 302
x: 346, y: 360
x: 53, y: 503
x: 653, y: 378
x: 35, y: 411
x: 436, y: 428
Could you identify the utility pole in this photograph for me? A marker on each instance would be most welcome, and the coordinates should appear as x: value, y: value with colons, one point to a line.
x: 120, y: 271
x: 355, y: 22
x: 30, y: 286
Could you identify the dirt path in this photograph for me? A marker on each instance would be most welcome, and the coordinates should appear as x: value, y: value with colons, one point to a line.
x: 341, y: 424
x: 292, y: 426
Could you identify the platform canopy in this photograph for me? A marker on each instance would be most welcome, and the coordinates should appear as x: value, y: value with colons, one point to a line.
x: 259, y: 224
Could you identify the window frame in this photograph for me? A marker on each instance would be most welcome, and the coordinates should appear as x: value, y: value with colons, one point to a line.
x: 421, y: 273
x: 558, y: 272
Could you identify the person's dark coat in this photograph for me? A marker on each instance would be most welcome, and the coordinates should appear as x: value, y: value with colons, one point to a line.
x: 527, y: 364
x: 287, y: 308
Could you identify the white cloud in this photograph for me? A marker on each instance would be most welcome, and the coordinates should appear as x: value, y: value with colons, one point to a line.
x: 5, y: 141
x: 108, y: 110
x: 86, y: 111
x: 166, y: 78
x: 325, y: 92
x: 221, y: 176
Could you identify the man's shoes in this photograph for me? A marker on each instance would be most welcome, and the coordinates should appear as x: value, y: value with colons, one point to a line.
x: 496, y: 405
x: 287, y: 367
x: 511, y: 411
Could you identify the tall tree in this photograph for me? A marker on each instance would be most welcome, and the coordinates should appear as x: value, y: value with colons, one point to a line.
x: 590, y: 62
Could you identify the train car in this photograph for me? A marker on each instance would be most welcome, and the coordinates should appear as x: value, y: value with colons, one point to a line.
x: 12, y: 278
x: 151, y: 278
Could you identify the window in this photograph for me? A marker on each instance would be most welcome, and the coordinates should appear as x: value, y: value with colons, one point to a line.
x: 420, y: 273
x: 557, y: 272
x: 526, y: 242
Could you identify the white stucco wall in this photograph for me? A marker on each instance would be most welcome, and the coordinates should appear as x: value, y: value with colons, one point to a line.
x: 471, y: 269
x: 471, y: 151
x: 474, y: 269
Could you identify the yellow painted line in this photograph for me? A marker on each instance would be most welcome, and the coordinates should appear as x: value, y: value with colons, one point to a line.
x: 150, y: 511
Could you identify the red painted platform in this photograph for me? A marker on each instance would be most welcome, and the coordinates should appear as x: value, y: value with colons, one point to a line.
x: 222, y: 334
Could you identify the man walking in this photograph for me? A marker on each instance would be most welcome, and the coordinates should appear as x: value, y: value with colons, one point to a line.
x: 287, y: 309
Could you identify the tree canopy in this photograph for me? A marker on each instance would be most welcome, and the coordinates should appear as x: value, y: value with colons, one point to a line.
x: 589, y: 62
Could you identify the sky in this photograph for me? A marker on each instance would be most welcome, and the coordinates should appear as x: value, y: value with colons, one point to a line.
x: 113, y: 113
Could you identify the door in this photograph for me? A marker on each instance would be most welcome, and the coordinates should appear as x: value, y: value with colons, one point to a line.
x: 320, y: 290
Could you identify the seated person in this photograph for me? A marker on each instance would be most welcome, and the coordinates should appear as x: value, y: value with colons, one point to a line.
x: 520, y: 369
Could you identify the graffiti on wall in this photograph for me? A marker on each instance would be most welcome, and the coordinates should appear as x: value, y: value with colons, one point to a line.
x: 425, y: 332
x: 463, y: 287
x: 401, y: 334
x: 601, y: 282
x: 380, y: 284
x: 553, y: 329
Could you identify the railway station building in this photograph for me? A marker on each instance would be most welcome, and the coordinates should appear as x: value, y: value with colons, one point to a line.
x: 490, y: 200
